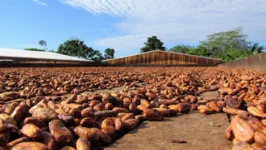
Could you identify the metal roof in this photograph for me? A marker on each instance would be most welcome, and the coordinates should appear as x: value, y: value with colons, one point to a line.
x: 7, y: 53
x: 164, y: 52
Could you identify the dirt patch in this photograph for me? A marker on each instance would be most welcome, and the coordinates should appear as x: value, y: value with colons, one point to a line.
x: 200, y: 132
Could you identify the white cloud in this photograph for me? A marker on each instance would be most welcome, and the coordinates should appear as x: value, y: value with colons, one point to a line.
x: 40, y: 3
x: 179, y: 21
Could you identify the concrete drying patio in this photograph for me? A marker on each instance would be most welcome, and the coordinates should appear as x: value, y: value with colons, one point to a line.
x: 200, y: 132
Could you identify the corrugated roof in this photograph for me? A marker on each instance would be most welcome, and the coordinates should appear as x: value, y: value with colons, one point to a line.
x: 7, y: 53
x: 165, y: 52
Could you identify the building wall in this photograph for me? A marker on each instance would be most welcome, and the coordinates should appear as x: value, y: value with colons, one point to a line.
x: 163, y: 58
x: 255, y: 62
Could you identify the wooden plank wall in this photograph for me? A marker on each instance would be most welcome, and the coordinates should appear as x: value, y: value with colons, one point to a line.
x: 163, y: 58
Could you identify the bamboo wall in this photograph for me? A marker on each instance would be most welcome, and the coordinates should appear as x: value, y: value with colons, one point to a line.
x: 163, y: 58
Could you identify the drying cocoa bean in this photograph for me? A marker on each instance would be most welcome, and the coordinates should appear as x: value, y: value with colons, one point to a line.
x: 242, y: 130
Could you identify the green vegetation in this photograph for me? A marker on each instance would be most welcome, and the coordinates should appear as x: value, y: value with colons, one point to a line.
x: 186, y: 49
x: 34, y: 49
x: 109, y: 53
x: 43, y: 44
x: 182, y: 48
x: 152, y: 44
x: 77, y: 48
x: 97, y: 56
x: 255, y: 48
x: 229, y: 45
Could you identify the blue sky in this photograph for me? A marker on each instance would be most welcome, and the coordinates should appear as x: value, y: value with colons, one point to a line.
x: 125, y: 24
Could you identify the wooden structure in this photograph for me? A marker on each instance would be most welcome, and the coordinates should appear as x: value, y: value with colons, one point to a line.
x: 158, y: 57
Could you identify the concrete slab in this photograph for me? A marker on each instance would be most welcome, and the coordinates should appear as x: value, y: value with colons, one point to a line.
x: 200, y: 132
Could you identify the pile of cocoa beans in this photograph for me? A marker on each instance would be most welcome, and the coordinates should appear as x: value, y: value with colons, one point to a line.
x: 48, y: 117
x: 96, y: 119
x: 243, y: 99
x: 29, y: 82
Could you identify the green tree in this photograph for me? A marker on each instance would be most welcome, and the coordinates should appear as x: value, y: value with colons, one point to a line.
x: 186, y: 49
x: 202, y: 51
x: 153, y: 43
x: 255, y: 48
x: 76, y: 47
x: 97, y: 56
x: 109, y: 53
x: 43, y: 43
x: 220, y: 44
x: 182, y: 49
x: 233, y: 54
x: 34, y: 49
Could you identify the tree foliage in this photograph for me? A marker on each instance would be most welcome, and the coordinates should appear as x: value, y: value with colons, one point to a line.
x: 109, y: 53
x: 43, y: 43
x: 34, y: 49
x: 186, y: 49
x: 222, y: 44
x: 77, y: 48
x: 229, y: 46
x: 182, y: 49
x: 255, y: 48
x: 200, y: 51
x: 153, y: 43
x: 97, y: 56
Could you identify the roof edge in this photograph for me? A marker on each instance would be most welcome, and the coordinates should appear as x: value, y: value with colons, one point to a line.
x: 74, y: 59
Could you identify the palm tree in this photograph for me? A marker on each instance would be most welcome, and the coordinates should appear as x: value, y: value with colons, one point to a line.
x: 255, y: 48
x: 43, y: 43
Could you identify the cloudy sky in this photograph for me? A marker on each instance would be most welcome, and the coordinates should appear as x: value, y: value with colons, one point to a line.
x: 126, y: 24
